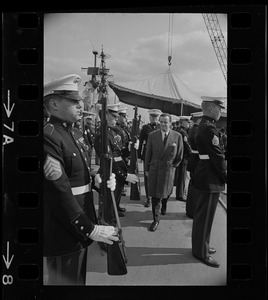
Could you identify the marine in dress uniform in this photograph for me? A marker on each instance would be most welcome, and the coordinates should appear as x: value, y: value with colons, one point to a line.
x: 70, y: 223
x: 125, y: 133
x: 87, y: 129
x: 164, y: 153
x: 181, y: 170
x: 143, y: 137
x: 210, y: 176
x: 191, y: 165
x: 123, y: 130
x: 115, y: 146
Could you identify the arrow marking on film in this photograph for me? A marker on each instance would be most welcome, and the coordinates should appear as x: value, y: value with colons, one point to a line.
x: 6, y: 260
x: 8, y: 109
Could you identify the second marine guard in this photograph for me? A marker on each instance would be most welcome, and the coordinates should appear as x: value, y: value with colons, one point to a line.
x: 123, y: 130
x: 115, y: 147
x: 70, y: 223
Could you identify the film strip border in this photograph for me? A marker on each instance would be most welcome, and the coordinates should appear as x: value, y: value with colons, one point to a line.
x: 22, y: 125
x: 22, y: 111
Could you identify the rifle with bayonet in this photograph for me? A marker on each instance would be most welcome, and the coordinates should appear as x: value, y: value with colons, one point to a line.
x: 116, y: 255
x: 133, y: 167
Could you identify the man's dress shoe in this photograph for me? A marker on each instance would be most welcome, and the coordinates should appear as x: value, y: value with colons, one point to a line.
x: 147, y: 203
x: 181, y: 199
x: 121, y: 209
x: 121, y: 214
x: 209, y: 261
x: 154, y: 225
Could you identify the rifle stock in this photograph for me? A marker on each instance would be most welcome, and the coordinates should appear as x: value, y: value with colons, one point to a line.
x: 115, y: 260
x: 133, y: 168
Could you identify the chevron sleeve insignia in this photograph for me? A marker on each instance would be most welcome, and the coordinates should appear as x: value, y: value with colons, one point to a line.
x: 52, y: 168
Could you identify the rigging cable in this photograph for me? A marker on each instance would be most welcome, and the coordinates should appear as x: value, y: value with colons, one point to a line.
x: 170, y: 30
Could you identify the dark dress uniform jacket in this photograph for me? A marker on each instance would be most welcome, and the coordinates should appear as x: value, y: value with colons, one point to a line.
x: 193, y: 158
x: 114, y: 145
x: 210, y: 174
x: 69, y: 217
x: 145, y: 131
x: 126, y: 137
x: 161, y: 162
x: 186, y: 146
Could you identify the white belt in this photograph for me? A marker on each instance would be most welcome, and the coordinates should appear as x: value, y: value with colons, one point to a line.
x: 194, y: 151
x: 203, y: 156
x: 118, y: 158
x: 81, y: 189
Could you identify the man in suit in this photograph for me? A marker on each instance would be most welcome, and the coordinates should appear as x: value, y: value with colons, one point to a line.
x: 164, y: 153
x: 145, y: 131
x: 210, y: 176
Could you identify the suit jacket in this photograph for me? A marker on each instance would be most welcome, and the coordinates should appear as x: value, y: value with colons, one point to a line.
x: 161, y: 161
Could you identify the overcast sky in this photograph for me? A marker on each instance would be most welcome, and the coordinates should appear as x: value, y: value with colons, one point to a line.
x: 138, y: 45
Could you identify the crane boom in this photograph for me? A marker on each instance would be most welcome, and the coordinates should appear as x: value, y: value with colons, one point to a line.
x: 217, y: 40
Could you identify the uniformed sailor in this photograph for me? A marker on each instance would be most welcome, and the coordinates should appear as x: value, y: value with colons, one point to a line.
x: 143, y: 137
x: 181, y: 170
x: 115, y: 146
x: 210, y: 176
x: 70, y: 223
x: 122, y: 126
x: 88, y: 127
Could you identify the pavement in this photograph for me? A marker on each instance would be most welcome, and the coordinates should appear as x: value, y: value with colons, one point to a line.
x: 162, y: 257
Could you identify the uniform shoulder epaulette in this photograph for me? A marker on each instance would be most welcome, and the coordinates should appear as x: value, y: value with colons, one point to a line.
x: 49, y: 128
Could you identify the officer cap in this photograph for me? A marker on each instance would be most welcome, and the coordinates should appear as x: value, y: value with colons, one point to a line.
x: 66, y: 86
x: 155, y: 112
x: 185, y: 118
x: 216, y: 100
x: 122, y: 111
x: 113, y: 109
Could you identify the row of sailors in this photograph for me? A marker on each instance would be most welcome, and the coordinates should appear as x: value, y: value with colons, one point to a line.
x: 70, y: 221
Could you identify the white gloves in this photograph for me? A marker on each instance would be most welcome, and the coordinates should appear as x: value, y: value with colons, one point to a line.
x: 106, y: 234
x: 136, y: 145
x: 111, y: 183
x: 132, y: 178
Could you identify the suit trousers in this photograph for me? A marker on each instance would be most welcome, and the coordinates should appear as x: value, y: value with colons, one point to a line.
x: 145, y: 181
x: 156, y: 206
x: 202, y: 223
x: 67, y: 269
x: 180, y: 180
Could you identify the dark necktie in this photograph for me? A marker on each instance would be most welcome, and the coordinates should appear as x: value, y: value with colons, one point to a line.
x: 165, y: 139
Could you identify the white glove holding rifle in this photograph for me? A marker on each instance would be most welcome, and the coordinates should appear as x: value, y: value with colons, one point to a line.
x: 106, y: 234
x: 111, y: 183
x: 136, y: 145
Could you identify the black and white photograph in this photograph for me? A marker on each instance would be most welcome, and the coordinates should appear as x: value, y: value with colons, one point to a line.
x: 135, y: 149
x: 115, y: 123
